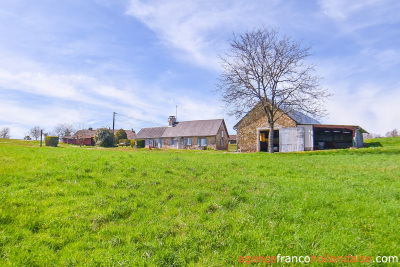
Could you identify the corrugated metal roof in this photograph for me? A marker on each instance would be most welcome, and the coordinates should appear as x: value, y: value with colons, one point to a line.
x: 182, y: 129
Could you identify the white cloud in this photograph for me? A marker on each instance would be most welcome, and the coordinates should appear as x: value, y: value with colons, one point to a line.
x: 191, y: 26
x: 359, y: 14
x: 372, y: 108
x: 359, y: 98
x: 75, y: 98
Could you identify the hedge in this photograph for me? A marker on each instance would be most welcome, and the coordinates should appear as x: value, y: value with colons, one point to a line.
x: 51, y: 141
x: 138, y: 143
x: 124, y: 142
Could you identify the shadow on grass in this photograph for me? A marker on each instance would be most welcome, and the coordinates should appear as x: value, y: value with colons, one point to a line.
x: 373, y: 144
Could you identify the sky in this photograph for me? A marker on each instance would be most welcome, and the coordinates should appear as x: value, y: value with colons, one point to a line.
x: 76, y: 62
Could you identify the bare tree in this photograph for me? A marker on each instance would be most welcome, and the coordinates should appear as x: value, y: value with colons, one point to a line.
x: 263, y: 68
x: 64, y: 130
x: 35, y: 132
x: 392, y: 133
x: 5, y: 132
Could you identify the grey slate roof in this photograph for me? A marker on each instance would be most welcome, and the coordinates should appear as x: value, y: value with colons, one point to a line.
x: 301, y: 118
x: 152, y: 132
x: 183, y: 129
x: 297, y: 116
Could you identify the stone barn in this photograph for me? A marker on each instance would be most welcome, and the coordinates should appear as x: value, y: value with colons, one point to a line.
x: 294, y: 132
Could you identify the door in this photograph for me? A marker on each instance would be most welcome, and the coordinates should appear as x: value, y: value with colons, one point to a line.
x: 291, y: 139
x: 180, y: 143
x: 159, y: 143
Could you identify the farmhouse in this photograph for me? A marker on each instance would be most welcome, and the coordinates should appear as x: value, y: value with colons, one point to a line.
x: 232, y: 139
x: 200, y: 134
x: 85, y: 137
x: 294, y: 132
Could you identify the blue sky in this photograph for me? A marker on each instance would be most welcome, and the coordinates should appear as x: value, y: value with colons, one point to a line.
x: 77, y: 62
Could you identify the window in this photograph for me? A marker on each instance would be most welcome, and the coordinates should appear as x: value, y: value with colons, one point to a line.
x: 150, y: 142
x: 222, y: 133
x: 188, y: 141
x: 202, y: 141
x: 159, y: 141
x: 172, y: 142
x: 222, y: 141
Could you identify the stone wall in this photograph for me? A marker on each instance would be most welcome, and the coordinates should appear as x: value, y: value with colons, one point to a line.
x: 211, y: 142
x: 222, y: 134
x: 256, y: 118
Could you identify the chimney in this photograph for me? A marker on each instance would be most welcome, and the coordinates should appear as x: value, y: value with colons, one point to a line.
x: 133, y: 131
x: 90, y: 129
x: 171, y: 120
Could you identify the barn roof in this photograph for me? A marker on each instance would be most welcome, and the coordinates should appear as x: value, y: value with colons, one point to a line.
x: 232, y: 137
x: 84, y: 133
x: 297, y: 116
x: 182, y: 129
x: 130, y: 134
x: 301, y: 118
x: 89, y: 133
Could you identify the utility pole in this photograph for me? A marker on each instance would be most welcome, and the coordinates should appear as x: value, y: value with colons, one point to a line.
x: 176, y: 113
x: 41, y: 133
x: 113, y: 126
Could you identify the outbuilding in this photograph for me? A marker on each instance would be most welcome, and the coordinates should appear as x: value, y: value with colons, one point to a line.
x: 294, y: 131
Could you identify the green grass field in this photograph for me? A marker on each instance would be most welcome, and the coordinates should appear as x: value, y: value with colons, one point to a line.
x: 69, y: 206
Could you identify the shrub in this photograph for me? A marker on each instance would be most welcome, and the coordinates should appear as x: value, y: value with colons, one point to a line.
x: 104, y: 137
x: 120, y: 134
x: 51, y: 141
x: 125, y: 142
x: 139, y: 143
x: 133, y: 142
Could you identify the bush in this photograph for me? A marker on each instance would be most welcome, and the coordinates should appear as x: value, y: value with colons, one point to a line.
x: 120, y: 134
x: 124, y: 142
x: 104, y: 137
x: 133, y: 142
x: 51, y: 141
x: 137, y: 143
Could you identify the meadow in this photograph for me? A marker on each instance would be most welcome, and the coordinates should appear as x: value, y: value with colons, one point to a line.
x: 71, y: 206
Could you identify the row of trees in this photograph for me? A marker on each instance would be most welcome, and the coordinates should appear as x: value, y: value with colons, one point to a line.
x: 59, y: 130
x: 392, y: 133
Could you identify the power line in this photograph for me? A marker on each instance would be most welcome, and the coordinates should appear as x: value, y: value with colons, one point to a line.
x: 139, y: 119
x: 122, y: 121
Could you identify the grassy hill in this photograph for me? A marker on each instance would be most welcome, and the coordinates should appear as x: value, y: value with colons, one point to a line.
x: 93, y: 206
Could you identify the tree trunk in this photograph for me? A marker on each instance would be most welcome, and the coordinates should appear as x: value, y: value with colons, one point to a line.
x: 271, y: 139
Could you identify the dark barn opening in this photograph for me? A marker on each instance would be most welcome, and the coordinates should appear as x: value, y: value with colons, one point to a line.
x: 264, y: 140
x: 331, y: 137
